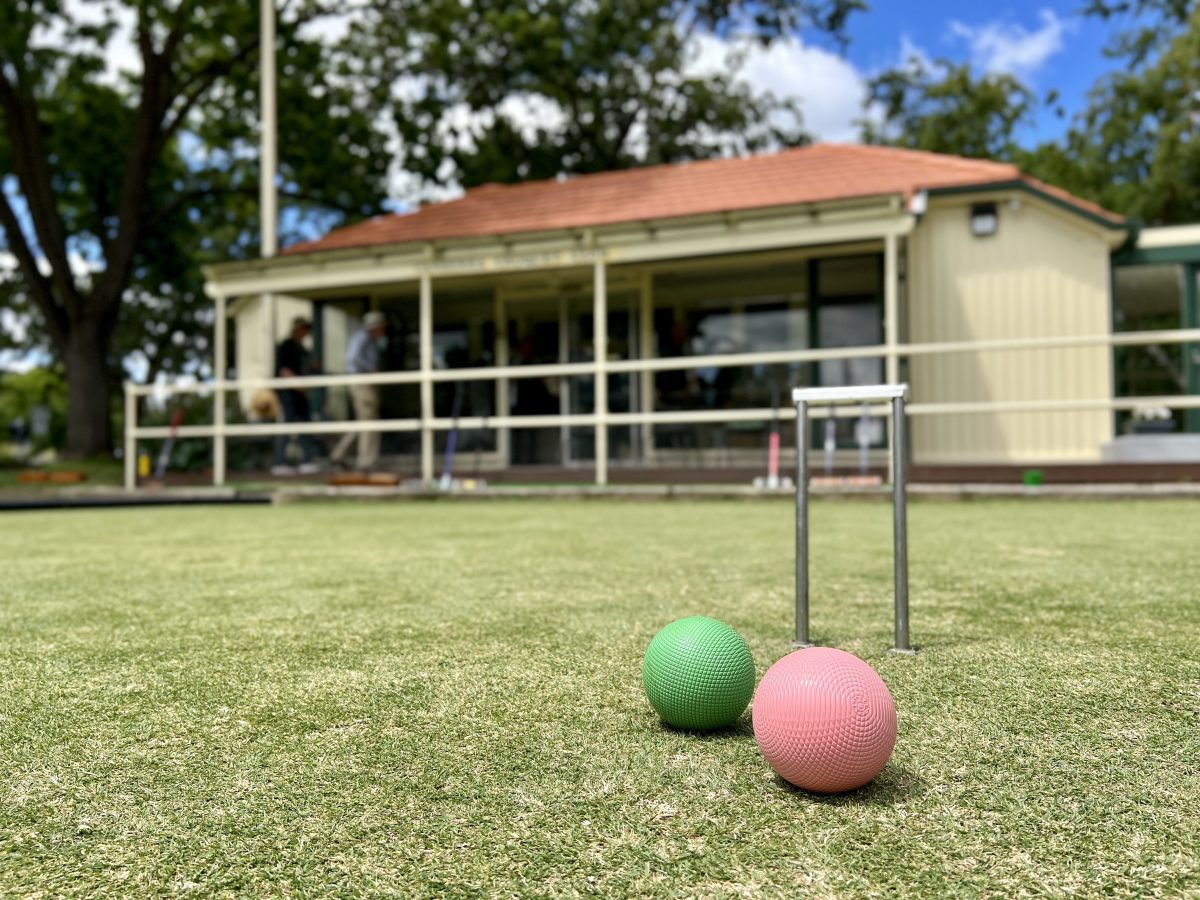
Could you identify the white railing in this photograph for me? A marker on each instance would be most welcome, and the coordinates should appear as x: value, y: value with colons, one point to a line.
x: 221, y: 430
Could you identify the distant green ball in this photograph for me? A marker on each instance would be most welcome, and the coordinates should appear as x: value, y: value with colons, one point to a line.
x: 698, y: 674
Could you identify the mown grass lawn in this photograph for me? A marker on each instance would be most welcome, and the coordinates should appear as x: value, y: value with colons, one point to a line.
x: 445, y: 699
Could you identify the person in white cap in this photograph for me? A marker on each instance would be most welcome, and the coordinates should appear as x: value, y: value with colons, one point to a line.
x: 362, y: 358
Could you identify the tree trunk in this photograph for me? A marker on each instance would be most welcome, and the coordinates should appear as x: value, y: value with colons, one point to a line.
x: 89, y: 420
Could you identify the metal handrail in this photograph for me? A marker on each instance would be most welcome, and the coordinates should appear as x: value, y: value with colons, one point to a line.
x: 660, y: 364
x: 221, y: 430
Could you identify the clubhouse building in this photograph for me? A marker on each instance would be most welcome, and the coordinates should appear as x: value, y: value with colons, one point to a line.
x: 650, y: 323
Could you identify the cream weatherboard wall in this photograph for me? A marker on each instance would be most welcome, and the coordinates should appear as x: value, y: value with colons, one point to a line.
x: 1043, y: 273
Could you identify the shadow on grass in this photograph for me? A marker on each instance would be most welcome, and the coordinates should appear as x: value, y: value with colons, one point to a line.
x: 742, y: 729
x: 894, y: 784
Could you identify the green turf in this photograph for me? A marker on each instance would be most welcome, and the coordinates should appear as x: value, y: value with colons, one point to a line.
x: 446, y: 699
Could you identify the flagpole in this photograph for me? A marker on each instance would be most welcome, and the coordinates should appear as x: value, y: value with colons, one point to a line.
x: 269, y: 160
x: 268, y: 166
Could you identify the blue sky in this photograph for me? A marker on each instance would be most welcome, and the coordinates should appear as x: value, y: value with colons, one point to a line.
x: 1048, y: 44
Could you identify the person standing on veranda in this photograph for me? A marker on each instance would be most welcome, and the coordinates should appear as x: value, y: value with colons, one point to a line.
x: 362, y: 358
x: 293, y: 360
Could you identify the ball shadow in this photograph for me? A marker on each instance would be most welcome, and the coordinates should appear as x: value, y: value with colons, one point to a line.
x: 742, y: 729
x: 895, y: 784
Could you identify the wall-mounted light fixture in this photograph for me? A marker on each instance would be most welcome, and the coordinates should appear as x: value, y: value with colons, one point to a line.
x: 984, y: 219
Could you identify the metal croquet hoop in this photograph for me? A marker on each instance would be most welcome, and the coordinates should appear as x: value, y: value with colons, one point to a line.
x: 803, y: 398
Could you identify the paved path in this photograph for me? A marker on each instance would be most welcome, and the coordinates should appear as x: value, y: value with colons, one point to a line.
x: 115, y: 497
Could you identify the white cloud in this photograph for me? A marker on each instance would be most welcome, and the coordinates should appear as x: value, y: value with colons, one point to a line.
x: 828, y: 89
x: 22, y: 361
x: 1011, y: 48
x: 912, y: 55
x: 120, y: 53
x: 461, y: 128
x: 16, y: 327
x: 530, y: 113
x: 332, y: 28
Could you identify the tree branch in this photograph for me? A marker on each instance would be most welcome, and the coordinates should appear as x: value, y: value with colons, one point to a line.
x: 194, y: 89
x: 178, y: 27
x: 181, y: 199
x: 143, y: 150
x: 39, y: 286
x: 623, y: 129
x: 32, y: 168
x: 154, y: 128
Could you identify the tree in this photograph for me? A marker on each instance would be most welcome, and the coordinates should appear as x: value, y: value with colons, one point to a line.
x: 118, y: 186
x: 500, y: 91
x: 1151, y: 25
x: 1134, y: 148
x: 944, y: 108
x: 1138, y: 140
x: 122, y: 186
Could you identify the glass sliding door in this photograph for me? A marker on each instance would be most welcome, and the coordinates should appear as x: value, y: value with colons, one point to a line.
x: 744, y: 307
x: 1191, y: 352
x: 754, y: 306
x: 849, y: 313
x: 558, y: 328
x: 1151, y: 298
x: 464, y: 337
x: 624, y: 440
x: 534, y: 339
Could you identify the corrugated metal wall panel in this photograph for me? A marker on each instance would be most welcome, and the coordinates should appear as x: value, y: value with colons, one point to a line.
x: 1041, y: 274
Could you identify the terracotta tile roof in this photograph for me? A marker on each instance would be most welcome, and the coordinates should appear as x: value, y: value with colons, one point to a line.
x: 822, y: 172
x: 1086, y: 205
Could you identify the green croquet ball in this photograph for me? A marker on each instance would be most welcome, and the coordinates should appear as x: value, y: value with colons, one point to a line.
x: 698, y: 674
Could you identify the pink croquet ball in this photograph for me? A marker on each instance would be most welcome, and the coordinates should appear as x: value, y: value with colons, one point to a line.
x: 824, y: 720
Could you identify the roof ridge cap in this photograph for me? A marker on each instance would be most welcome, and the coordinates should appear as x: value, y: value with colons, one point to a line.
x: 945, y: 158
x: 675, y: 165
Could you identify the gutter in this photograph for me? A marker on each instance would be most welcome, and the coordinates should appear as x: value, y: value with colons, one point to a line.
x: 585, y: 236
x: 1023, y: 186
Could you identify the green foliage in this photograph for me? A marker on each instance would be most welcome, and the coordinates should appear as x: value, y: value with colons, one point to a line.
x: 20, y: 392
x: 945, y: 108
x: 1148, y: 25
x: 1137, y: 144
x: 148, y: 175
x: 610, y: 82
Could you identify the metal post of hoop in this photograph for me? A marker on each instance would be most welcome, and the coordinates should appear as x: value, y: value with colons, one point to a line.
x: 805, y: 397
